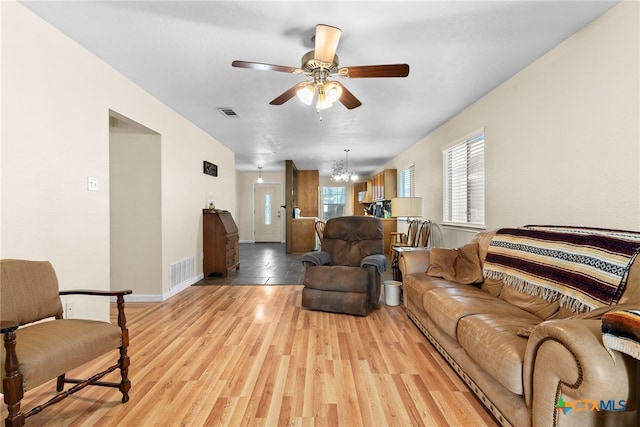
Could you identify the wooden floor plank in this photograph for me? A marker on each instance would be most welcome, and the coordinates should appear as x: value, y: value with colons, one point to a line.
x: 250, y: 355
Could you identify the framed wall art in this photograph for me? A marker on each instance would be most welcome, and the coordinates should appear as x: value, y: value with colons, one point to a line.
x: 209, y: 168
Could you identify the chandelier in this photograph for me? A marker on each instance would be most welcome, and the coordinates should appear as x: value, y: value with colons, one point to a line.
x: 341, y: 170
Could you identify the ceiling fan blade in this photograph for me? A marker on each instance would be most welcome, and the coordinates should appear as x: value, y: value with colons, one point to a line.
x: 326, y: 43
x: 264, y: 67
x: 366, y: 71
x: 287, y: 95
x: 348, y: 99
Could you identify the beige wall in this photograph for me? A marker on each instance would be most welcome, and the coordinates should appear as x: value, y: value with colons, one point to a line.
x: 135, y: 214
x: 562, y: 143
x: 55, y: 99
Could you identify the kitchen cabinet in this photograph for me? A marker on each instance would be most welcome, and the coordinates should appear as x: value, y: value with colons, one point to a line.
x: 304, y: 235
x: 384, y: 185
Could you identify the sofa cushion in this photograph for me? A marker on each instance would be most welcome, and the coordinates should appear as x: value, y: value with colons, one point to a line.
x: 531, y: 303
x: 415, y: 285
x: 492, y: 286
x: 446, y: 306
x: 491, y: 340
x: 483, y: 239
x: 461, y: 265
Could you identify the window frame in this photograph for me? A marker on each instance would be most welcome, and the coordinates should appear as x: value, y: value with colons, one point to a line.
x: 409, y: 170
x: 473, y: 185
x: 343, y: 204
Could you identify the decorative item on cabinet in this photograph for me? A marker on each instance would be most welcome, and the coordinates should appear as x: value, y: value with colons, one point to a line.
x: 219, y: 243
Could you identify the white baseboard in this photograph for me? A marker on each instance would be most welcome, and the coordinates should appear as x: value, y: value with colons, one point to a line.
x: 165, y: 296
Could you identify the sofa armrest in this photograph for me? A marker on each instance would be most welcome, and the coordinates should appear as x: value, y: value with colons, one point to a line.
x: 566, y: 358
x: 413, y: 262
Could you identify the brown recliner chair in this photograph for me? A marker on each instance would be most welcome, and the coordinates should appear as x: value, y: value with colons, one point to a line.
x: 346, y: 275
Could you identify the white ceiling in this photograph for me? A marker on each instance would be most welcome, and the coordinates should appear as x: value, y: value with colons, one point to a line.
x: 181, y: 52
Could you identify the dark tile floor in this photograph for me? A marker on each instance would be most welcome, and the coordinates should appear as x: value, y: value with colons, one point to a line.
x: 267, y: 264
x: 262, y: 264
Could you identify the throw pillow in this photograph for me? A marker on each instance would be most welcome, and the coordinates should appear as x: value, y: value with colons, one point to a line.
x: 460, y: 265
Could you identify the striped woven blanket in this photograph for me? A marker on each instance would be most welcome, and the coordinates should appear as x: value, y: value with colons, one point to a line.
x: 621, y: 331
x: 584, y: 268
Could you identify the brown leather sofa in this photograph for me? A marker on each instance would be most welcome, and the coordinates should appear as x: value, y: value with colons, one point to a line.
x: 530, y: 362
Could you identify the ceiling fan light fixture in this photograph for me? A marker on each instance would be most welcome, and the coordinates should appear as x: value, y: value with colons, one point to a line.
x: 306, y: 93
x: 320, y: 64
x: 333, y: 91
x: 323, y: 102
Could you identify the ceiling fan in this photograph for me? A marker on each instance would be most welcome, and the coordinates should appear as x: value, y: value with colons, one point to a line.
x: 320, y: 64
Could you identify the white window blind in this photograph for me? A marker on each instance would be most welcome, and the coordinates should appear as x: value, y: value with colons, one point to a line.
x: 333, y: 200
x: 406, y: 183
x: 463, y: 168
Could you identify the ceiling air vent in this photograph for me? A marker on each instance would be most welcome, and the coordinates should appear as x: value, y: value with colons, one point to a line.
x: 228, y: 112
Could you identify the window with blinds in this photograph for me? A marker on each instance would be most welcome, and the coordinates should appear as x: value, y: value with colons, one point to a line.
x: 333, y: 200
x: 406, y: 182
x: 463, y: 168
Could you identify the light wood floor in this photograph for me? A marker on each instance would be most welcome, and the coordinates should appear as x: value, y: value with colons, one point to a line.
x: 250, y: 355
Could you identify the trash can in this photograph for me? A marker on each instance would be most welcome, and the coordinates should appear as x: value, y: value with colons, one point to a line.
x: 392, y: 292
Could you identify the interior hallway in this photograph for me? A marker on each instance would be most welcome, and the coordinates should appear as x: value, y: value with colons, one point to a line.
x: 268, y: 264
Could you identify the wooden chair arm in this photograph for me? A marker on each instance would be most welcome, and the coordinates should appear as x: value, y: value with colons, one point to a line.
x: 96, y: 293
x: 8, y: 326
x: 122, y: 320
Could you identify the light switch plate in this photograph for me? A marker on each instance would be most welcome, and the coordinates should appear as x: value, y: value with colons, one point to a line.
x: 92, y: 183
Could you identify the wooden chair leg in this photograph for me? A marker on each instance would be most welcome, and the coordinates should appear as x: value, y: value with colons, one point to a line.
x: 12, y: 383
x: 123, y: 362
x: 125, y: 383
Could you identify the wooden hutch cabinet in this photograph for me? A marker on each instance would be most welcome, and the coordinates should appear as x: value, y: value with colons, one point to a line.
x: 219, y: 243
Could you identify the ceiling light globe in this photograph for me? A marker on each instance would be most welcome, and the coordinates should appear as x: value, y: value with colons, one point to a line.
x: 306, y: 93
x: 333, y: 91
x: 323, y: 103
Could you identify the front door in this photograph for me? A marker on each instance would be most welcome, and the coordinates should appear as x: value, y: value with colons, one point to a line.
x: 267, y: 212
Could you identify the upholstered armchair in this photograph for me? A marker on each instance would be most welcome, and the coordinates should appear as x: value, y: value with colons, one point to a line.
x: 346, y: 275
x: 48, y: 345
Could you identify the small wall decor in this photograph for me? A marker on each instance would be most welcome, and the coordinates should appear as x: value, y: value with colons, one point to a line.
x: 210, y: 168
